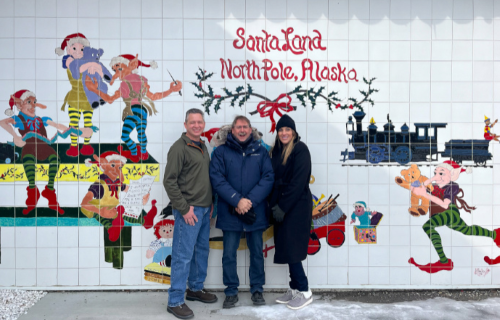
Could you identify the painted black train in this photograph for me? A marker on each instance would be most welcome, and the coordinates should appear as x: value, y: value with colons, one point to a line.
x: 387, y: 145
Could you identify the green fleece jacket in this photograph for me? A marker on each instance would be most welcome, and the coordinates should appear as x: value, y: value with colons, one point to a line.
x: 187, y: 179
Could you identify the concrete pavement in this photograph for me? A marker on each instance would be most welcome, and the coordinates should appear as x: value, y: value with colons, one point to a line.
x: 126, y: 305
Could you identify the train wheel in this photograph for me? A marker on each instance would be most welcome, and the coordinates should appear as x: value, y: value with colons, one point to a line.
x: 480, y: 161
x: 335, y: 238
x: 402, y: 155
x: 374, y: 154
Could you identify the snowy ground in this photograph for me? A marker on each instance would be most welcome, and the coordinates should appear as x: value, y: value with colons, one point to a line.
x: 433, y: 309
x: 17, y: 302
x: 359, y: 304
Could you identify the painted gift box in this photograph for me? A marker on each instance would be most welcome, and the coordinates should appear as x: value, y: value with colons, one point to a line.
x: 368, y: 235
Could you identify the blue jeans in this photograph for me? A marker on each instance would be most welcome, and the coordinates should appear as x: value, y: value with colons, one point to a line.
x: 189, y: 255
x: 231, y: 242
x: 298, y: 277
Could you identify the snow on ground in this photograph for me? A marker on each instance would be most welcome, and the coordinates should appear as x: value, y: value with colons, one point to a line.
x: 433, y: 309
x: 14, y: 303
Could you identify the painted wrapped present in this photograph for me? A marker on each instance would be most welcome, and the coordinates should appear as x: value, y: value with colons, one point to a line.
x: 368, y: 235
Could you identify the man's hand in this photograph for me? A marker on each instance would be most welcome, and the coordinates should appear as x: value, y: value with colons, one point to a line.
x: 352, y: 221
x: 18, y: 141
x: 238, y: 211
x: 190, y: 218
x: 244, y: 205
x: 176, y: 87
x: 211, y: 210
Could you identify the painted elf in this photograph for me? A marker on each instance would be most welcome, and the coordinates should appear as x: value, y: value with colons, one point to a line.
x: 446, y: 199
x: 76, y: 98
x: 34, y: 149
x: 102, y: 202
x: 487, y: 129
x: 134, y: 90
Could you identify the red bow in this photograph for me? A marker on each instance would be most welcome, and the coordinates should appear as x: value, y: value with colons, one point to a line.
x: 34, y: 124
x: 113, y: 186
x: 273, y: 107
x: 438, y: 192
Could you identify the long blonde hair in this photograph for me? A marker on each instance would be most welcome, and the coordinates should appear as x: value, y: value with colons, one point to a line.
x: 287, y: 149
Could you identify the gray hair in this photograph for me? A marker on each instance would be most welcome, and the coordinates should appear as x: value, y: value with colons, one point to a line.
x: 194, y: 111
x: 241, y: 118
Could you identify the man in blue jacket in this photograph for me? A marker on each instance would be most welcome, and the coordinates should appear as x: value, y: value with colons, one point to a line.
x: 242, y: 175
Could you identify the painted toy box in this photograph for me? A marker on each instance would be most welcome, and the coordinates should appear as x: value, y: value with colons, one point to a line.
x: 368, y: 235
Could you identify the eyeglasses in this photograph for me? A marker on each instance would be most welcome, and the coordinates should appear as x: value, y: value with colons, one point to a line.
x: 241, y: 127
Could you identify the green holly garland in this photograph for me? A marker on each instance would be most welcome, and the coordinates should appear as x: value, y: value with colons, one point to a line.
x: 241, y: 95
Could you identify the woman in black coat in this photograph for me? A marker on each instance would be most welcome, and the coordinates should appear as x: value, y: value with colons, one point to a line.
x: 291, y: 202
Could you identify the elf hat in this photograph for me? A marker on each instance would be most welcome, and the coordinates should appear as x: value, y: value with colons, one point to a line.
x: 71, y: 40
x: 109, y: 156
x: 362, y: 204
x: 21, y: 94
x: 450, y: 165
x: 486, y: 118
x: 126, y: 58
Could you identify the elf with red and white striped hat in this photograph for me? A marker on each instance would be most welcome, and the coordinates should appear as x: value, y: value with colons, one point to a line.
x: 446, y: 200
x: 76, y: 99
x: 34, y: 149
x: 134, y: 90
x: 102, y: 202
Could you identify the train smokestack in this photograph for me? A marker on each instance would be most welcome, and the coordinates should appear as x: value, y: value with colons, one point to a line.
x: 359, y: 115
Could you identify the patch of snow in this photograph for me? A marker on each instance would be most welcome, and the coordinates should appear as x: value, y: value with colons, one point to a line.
x: 432, y: 309
x: 14, y: 303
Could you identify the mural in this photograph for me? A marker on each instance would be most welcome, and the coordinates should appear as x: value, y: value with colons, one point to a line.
x: 268, y: 107
x: 366, y: 231
x: 412, y: 177
x: 446, y: 200
x: 160, y: 250
x: 389, y: 146
x: 87, y: 127
x: 328, y: 221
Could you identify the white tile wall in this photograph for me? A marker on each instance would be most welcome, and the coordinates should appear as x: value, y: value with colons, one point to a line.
x: 433, y: 60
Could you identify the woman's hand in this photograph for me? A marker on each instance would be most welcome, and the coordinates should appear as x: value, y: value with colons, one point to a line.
x: 278, y: 213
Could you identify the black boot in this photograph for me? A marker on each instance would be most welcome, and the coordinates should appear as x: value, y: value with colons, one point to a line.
x: 230, y: 302
x: 258, y: 299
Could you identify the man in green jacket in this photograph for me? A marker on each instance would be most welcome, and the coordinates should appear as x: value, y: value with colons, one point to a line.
x: 187, y: 183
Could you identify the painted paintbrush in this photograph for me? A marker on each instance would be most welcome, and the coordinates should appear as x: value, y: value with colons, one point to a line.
x: 180, y: 93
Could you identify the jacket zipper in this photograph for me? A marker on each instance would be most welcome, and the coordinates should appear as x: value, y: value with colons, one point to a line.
x: 195, y: 146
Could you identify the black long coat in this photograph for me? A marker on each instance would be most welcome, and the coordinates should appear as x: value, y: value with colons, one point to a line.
x: 291, y: 192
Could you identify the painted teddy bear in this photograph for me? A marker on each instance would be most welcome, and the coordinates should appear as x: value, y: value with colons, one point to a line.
x: 412, y: 177
x: 91, y: 55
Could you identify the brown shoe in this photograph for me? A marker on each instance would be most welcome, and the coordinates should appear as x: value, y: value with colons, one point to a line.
x: 181, y: 312
x: 202, y: 295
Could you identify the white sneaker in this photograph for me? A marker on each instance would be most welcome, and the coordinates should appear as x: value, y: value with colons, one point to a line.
x: 299, y: 300
x: 287, y: 297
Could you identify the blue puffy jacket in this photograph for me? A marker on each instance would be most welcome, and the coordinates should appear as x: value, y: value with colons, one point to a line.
x: 236, y: 173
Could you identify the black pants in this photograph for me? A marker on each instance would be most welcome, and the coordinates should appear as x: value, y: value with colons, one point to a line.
x: 298, y: 277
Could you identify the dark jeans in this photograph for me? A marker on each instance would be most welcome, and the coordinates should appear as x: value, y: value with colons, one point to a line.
x: 231, y: 242
x: 298, y: 276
